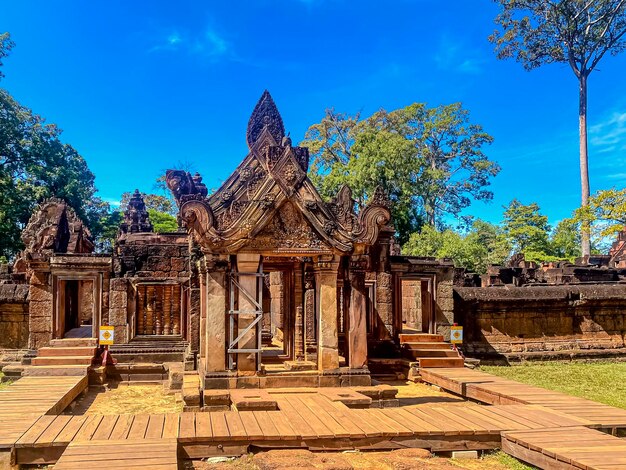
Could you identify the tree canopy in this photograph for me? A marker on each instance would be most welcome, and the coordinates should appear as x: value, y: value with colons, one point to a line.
x: 429, y: 161
x: 35, y: 164
x: 575, y: 32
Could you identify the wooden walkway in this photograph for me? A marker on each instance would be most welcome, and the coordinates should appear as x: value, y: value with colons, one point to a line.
x: 25, y: 400
x: 156, y: 454
x: 308, y: 422
x: 493, y: 390
x: 564, y: 448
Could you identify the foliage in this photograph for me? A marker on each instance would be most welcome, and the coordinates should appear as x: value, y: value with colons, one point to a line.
x: 598, y: 381
x: 565, y: 240
x: 162, y: 222
x: 527, y: 230
x: 606, y: 211
x: 578, y: 33
x: 428, y: 160
x: 34, y: 165
x: 5, y: 47
x: 482, y: 246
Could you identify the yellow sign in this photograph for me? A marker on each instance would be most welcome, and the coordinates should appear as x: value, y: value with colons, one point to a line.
x: 456, y: 334
x: 107, y: 335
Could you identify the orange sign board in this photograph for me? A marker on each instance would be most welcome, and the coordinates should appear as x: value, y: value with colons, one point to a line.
x: 107, y: 335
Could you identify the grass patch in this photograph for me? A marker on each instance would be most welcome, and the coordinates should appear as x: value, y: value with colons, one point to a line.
x: 3, y: 385
x: 604, y: 382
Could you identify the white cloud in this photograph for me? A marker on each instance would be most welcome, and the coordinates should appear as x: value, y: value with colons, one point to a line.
x: 209, y: 43
x: 453, y: 55
x: 609, y: 135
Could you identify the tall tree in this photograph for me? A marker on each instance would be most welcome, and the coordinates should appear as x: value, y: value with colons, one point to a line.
x: 428, y: 160
x: 35, y: 164
x: 5, y: 47
x: 527, y: 230
x: 576, y: 32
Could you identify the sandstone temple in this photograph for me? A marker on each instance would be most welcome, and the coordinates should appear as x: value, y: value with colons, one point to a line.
x: 266, y: 284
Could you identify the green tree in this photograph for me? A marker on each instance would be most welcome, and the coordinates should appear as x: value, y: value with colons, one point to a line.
x: 565, y: 240
x: 428, y: 160
x: 605, y: 214
x: 34, y: 165
x: 162, y: 222
x: 475, y: 250
x: 527, y: 230
x: 5, y: 48
x: 575, y: 32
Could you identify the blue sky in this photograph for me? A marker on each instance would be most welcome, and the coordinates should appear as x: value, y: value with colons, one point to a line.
x: 138, y: 86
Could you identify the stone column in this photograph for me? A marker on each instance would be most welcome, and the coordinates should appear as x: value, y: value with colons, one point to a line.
x: 40, y: 321
x: 215, y: 333
x: 247, y: 263
x: 309, y: 317
x: 326, y: 284
x: 357, y: 327
x: 277, y: 293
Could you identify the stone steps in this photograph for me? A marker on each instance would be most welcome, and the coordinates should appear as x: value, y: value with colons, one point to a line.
x: 426, y: 345
x: 420, y: 338
x: 67, y: 351
x: 74, y: 342
x: 47, y: 371
x: 430, y: 353
x: 440, y: 362
x: 62, y: 360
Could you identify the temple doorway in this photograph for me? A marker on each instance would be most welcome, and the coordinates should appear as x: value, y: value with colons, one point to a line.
x: 418, y: 302
x: 75, y: 308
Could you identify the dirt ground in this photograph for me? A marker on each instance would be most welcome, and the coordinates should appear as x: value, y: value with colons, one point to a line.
x: 404, y: 459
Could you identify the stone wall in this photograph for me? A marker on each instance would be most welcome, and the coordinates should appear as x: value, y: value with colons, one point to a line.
x: 13, y: 316
x: 542, y: 322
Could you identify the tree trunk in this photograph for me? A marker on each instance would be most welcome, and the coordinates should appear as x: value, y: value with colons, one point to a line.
x: 584, y: 161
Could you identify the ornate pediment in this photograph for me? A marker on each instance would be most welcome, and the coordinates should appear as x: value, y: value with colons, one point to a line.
x: 269, y: 204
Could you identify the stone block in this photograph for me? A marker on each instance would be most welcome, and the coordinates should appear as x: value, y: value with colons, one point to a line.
x: 40, y: 309
x: 216, y: 397
x: 121, y: 334
x: 178, y: 264
x: 40, y: 293
x: 118, y: 284
x: 40, y: 324
x: 38, y: 340
x: 118, y: 316
x: 118, y: 299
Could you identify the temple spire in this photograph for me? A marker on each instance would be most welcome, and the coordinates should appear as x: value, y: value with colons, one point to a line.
x: 265, y: 114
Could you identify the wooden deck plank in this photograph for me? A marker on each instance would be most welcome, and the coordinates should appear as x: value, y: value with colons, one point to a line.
x: 155, y: 426
x: 267, y: 426
x: 187, y: 429
x: 219, y: 428
x: 250, y: 424
x: 122, y: 427
x: 235, y: 425
x: 283, y: 426
x: 578, y: 447
x: 113, y: 455
x: 203, y: 426
x: 170, y: 427
x: 139, y: 427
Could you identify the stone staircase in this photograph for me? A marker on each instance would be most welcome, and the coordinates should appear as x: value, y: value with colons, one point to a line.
x: 429, y: 350
x: 68, y: 356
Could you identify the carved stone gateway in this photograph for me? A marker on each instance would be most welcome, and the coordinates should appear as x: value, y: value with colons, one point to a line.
x: 269, y: 207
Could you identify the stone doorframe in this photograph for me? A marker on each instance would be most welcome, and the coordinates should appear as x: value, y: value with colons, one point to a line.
x: 431, y: 280
x: 58, y: 310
